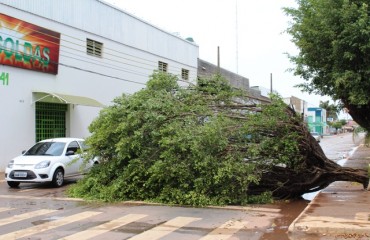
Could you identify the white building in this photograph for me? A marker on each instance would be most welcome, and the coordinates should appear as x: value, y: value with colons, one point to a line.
x: 300, y: 106
x: 61, y: 61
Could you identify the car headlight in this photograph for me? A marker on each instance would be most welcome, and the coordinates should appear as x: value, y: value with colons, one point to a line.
x: 10, y: 164
x: 43, y: 164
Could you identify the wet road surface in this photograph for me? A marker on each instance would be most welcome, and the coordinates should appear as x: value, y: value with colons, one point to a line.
x: 36, y: 211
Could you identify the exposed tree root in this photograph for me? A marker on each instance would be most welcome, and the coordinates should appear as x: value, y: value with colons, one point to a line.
x: 315, y: 172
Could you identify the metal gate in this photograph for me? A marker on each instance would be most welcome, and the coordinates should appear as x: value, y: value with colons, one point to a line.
x: 50, y: 120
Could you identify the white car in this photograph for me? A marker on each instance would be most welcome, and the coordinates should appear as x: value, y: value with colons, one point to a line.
x: 49, y: 160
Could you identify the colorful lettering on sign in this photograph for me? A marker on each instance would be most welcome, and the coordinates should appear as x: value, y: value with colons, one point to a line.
x: 29, y: 55
x: 26, y: 45
x: 4, y: 77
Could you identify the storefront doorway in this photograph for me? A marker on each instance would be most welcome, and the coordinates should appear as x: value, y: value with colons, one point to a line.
x: 50, y: 120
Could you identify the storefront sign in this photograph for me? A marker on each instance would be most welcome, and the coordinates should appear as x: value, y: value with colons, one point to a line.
x: 25, y: 45
x: 4, y: 78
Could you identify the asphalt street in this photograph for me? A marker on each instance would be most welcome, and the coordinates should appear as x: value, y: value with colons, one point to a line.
x: 36, y: 211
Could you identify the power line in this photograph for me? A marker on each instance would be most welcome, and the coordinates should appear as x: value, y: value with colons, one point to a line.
x: 101, y: 74
x: 82, y: 59
x: 236, y: 36
x: 113, y: 67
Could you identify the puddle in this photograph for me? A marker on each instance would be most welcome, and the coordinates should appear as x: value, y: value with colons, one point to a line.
x: 310, y: 196
x: 290, y: 210
x: 45, y: 220
x: 137, y: 227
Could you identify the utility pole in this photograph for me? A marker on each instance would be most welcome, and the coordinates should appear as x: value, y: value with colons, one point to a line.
x: 218, y: 60
x: 271, y: 83
x: 236, y: 37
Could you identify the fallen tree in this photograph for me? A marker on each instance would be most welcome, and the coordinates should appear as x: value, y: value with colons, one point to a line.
x: 204, y: 145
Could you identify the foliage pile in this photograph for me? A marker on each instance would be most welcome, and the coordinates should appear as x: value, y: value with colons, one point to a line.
x: 194, y: 146
x: 202, y: 145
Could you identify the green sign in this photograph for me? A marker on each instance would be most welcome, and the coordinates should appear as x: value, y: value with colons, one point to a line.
x: 4, y: 77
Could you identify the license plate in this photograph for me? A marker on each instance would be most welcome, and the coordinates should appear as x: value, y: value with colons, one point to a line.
x: 20, y: 174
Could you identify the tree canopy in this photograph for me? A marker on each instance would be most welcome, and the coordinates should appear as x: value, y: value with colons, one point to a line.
x: 203, y: 145
x: 334, y: 51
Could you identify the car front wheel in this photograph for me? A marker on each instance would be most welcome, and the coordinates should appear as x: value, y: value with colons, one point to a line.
x: 58, y: 178
x: 13, y: 184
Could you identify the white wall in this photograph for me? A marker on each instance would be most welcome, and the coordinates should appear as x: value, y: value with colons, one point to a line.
x: 124, y: 68
x: 17, y: 114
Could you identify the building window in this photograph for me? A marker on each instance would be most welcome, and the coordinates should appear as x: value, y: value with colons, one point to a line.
x: 184, y: 74
x: 94, y: 48
x: 162, y: 66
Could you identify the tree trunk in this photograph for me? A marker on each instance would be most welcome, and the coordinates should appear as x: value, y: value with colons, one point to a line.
x: 361, y: 114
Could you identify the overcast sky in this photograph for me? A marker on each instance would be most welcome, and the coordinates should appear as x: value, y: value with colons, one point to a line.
x: 252, y: 44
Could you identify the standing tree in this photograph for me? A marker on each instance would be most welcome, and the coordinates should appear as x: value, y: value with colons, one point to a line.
x: 334, y: 51
x: 331, y: 109
x: 338, y: 124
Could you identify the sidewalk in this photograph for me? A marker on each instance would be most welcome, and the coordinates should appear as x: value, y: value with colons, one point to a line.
x: 341, y: 211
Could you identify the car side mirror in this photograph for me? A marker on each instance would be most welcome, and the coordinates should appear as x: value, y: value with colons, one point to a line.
x: 24, y: 151
x: 70, y: 152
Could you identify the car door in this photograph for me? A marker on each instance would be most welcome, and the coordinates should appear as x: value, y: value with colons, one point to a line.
x: 86, y: 165
x: 74, y: 160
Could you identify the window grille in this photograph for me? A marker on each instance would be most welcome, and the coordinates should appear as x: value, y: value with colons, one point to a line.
x: 184, y: 74
x: 94, y: 48
x: 162, y: 66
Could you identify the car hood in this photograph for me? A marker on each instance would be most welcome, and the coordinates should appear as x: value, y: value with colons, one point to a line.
x: 32, y: 160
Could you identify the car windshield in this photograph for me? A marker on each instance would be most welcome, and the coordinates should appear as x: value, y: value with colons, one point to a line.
x: 46, y: 148
x: 83, y: 145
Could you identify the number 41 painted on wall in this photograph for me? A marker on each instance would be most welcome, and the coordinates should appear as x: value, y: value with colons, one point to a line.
x: 5, y: 78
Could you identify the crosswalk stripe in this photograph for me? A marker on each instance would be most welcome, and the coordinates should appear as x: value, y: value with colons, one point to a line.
x: 24, y: 216
x: 165, y: 228
x: 106, y: 227
x: 49, y: 225
x: 225, y: 231
x: 5, y: 209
